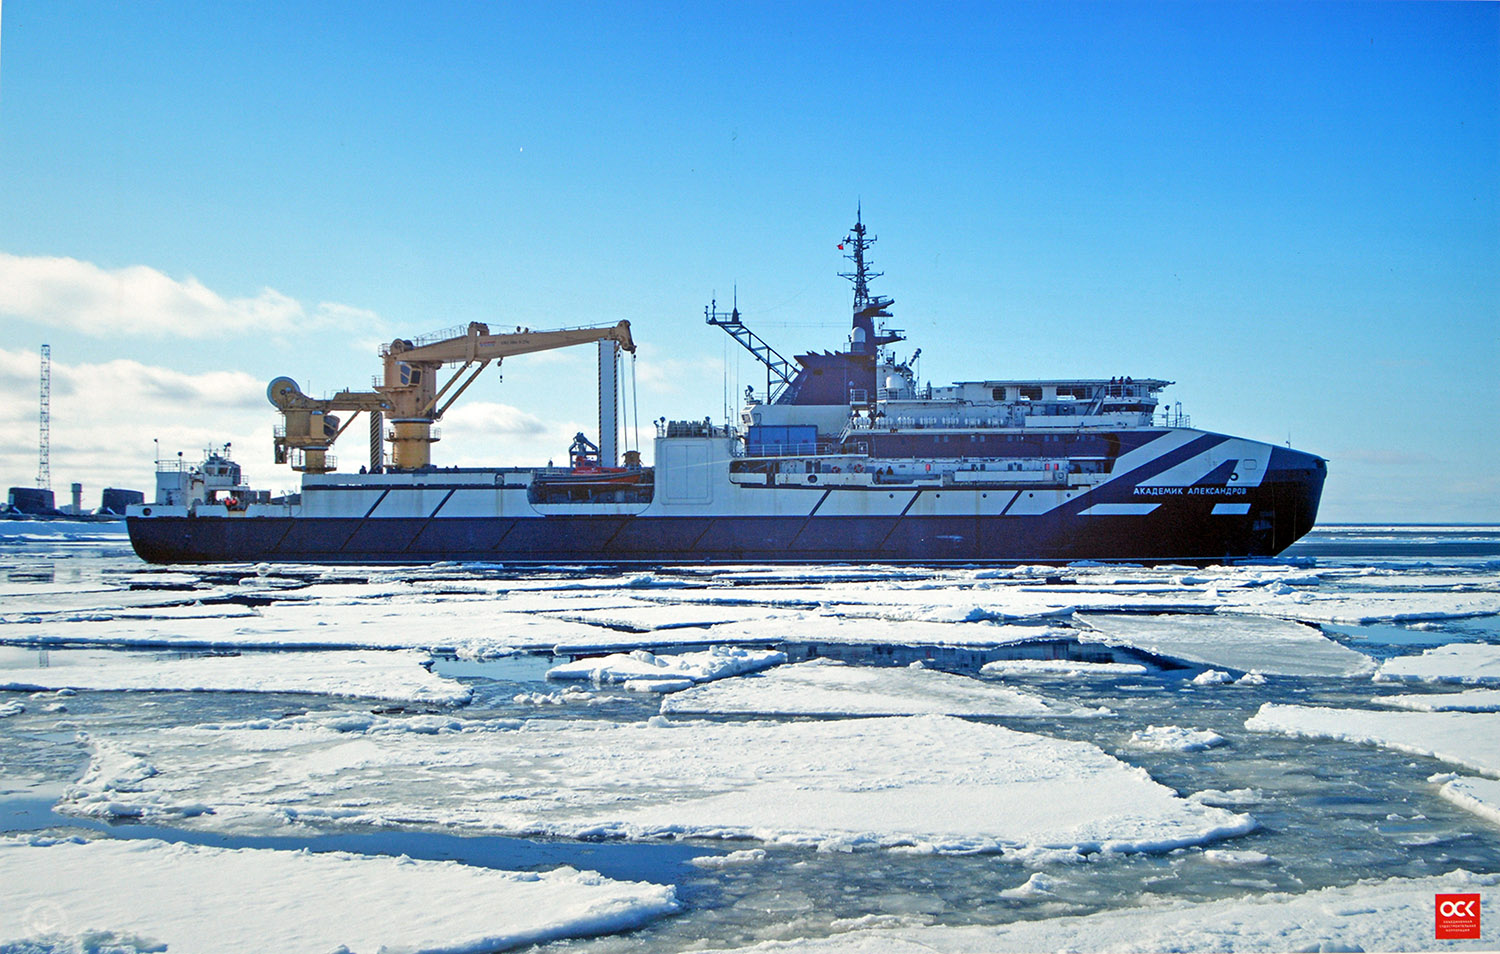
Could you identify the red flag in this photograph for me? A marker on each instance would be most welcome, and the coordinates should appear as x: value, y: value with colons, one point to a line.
x: 841, y: 246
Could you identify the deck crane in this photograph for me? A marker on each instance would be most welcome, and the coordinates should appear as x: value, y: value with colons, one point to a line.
x: 410, y: 399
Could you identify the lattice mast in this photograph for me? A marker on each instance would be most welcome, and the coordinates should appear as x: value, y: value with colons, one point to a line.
x: 777, y: 367
x: 44, y: 461
x: 867, y: 307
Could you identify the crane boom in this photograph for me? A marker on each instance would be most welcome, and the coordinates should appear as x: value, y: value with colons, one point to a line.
x: 478, y: 344
x: 408, y: 395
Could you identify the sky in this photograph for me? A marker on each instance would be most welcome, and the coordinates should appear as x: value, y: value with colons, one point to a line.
x: 1290, y: 210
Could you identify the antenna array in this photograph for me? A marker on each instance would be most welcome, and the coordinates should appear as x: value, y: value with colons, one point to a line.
x: 44, y: 464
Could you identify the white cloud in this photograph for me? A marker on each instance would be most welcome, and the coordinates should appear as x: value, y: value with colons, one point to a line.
x: 489, y: 418
x: 699, y: 375
x: 105, y: 416
x: 68, y: 293
x: 490, y: 434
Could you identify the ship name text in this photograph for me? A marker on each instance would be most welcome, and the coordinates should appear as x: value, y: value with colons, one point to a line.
x: 1191, y: 491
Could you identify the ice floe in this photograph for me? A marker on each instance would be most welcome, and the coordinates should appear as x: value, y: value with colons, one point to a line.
x: 396, y: 675
x: 831, y: 628
x: 662, y: 685
x: 1478, y: 795
x: 470, y: 627
x: 569, y: 696
x: 679, y: 670
x: 1375, y: 915
x: 1467, y: 700
x: 1039, y: 885
x: 734, y: 859
x: 1060, y: 667
x: 1357, y: 608
x: 149, y: 895
x: 1231, y: 641
x: 827, y: 687
x: 941, y: 601
x: 1472, y: 663
x: 1470, y: 739
x: 1225, y: 856
x: 850, y: 783
x: 1175, y: 738
x: 667, y: 615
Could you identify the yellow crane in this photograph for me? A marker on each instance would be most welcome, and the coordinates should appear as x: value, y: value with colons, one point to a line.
x: 410, y: 397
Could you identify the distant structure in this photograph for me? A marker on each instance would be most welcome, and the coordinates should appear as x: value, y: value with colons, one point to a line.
x: 32, y: 501
x: 39, y: 501
x: 44, y: 464
x: 116, y: 500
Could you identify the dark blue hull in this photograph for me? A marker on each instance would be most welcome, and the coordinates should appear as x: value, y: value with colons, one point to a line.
x: 1280, y: 511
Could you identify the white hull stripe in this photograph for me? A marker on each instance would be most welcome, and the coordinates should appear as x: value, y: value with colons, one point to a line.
x: 1233, y: 510
x: 1119, y: 510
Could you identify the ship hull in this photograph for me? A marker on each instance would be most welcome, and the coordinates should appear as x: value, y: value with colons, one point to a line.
x: 1186, y: 527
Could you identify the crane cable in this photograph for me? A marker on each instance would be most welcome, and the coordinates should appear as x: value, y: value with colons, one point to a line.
x: 635, y: 403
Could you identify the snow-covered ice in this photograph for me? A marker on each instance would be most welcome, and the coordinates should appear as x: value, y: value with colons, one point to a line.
x: 1376, y: 915
x: 1470, y: 663
x: 844, y: 783
x: 1227, y: 856
x: 151, y: 895
x: 1478, y: 795
x: 815, y: 770
x: 733, y: 859
x: 1060, y: 667
x: 1175, y: 738
x: 1231, y: 641
x: 1352, y: 608
x: 1039, y: 885
x: 830, y: 628
x: 1467, y: 700
x: 1470, y: 739
x: 679, y: 669
x: 668, y: 614
x: 395, y: 676
x: 569, y: 696
x: 469, y: 626
x: 941, y: 600
x: 828, y: 687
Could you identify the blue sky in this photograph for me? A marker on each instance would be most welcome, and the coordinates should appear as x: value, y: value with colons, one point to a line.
x: 1291, y: 210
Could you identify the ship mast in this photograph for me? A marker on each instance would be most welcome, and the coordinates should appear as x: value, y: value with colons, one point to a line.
x: 867, y: 307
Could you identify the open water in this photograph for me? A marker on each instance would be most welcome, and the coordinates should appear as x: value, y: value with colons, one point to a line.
x: 1329, y: 812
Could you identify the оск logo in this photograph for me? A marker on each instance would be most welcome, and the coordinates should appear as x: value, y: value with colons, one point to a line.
x: 1457, y: 916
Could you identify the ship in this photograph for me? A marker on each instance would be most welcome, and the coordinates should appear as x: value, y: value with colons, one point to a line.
x: 843, y: 457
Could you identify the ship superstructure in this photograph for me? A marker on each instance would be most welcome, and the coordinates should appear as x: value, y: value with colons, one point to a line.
x: 844, y: 456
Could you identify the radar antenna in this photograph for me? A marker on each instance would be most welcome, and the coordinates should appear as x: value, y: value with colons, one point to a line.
x: 867, y: 307
x: 855, y: 245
